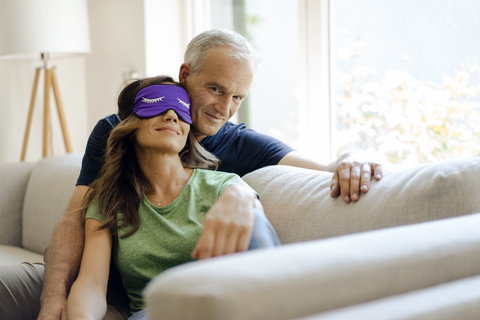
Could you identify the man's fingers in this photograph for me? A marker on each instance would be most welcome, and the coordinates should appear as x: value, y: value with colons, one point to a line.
x: 366, y: 175
x: 377, y: 171
x: 355, y: 182
x: 345, y: 182
x: 334, y: 186
x: 352, y: 177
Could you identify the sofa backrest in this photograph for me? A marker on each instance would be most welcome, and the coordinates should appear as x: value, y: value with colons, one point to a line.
x: 298, y: 203
x: 13, y: 183
x: 49, y: 190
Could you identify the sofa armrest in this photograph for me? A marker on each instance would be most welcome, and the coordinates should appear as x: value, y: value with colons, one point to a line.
x: 298, y: 204
x: 13, y: 184
x: 307, y: 278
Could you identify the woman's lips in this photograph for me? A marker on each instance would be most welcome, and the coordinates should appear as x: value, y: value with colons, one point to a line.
x: 167, y: 129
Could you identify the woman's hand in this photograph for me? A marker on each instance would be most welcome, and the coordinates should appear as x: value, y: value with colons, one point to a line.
x: 228, y: 224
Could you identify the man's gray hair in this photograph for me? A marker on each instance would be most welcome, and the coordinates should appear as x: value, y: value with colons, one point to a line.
x: 200, y: 46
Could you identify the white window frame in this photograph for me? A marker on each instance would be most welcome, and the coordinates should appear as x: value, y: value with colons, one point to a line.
x: 316, y: 115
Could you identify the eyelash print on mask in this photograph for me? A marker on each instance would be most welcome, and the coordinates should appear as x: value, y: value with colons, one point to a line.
x: 152, y: 100
x: 186, y: 105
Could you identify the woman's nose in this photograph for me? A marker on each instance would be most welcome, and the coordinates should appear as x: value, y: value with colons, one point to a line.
x: 170, y: 115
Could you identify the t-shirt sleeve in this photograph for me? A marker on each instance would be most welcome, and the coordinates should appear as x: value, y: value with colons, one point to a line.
x: 257, y: 150
x: 235, y: 180
x: 94, y: 153
x: 93, y: 212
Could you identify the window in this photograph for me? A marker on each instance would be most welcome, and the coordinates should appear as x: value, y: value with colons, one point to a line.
x: 406, y: 78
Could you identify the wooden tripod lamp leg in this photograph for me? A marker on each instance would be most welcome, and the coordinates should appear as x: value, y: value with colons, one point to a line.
x: 30, y: 115
x: 46, y: 113
x: 61, y: 113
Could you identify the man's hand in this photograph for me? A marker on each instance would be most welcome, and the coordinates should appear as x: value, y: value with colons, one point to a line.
x: 53, y: 308
x: 228, y: 225
x: 352, y: 175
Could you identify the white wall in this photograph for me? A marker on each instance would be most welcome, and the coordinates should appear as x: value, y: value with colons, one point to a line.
x: 166, y: 35
x: 118, y: 47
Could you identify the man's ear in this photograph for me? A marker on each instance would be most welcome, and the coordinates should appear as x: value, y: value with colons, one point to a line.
x: 184, y: 73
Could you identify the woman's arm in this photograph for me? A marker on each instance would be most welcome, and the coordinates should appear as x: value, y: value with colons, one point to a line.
x: 87, y: 299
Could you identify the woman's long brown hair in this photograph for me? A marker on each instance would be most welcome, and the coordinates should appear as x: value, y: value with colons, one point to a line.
x: 121, y: 184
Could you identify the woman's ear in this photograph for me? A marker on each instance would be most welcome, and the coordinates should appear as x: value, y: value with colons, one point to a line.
x: 184, y: 73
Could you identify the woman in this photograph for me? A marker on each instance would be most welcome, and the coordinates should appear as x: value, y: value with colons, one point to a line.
x: 152, y: 195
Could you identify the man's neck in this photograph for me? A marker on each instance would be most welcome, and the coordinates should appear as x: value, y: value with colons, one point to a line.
x: 199, y: 136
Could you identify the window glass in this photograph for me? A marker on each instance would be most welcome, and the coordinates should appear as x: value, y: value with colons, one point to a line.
x: 272, y: 27
x: 407, y: 78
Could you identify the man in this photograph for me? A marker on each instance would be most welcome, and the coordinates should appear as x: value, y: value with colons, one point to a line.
x: 217, y: 73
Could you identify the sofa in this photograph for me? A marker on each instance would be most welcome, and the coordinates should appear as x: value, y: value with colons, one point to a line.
x: 408, y: 249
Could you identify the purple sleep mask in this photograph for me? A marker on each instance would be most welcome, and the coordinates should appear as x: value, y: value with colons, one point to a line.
x: 153, y: 100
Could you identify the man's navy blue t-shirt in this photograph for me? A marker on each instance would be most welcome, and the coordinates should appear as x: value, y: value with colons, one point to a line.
x: 239, y: 149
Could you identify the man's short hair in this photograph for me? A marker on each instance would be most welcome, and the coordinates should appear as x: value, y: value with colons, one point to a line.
x: 200, y: 46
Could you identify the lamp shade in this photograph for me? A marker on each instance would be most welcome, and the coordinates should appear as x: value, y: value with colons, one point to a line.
x: 30, y: 27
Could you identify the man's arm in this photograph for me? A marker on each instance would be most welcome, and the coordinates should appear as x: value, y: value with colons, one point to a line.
x: 62, y: 258
x: 228, y: 225
x: 351, y: 173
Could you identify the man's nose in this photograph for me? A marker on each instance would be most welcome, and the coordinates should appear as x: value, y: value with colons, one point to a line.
x: 223, y: 106
x: 170, y: 115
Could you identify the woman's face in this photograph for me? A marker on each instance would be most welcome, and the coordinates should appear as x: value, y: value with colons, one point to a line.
x: 166, y: 133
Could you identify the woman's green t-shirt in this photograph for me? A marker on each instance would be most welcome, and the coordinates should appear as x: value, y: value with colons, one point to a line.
x: 166, y: 236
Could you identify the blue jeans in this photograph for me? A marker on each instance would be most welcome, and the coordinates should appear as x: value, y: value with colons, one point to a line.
x: 263, y: 236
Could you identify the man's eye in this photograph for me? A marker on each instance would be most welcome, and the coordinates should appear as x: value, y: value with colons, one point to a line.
x: 214, y: 89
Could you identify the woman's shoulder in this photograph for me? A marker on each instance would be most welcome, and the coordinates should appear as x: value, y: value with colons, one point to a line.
x: 208, y: 179
x: 210, y: 174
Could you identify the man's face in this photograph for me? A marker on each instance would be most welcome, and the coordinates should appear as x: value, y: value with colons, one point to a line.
x: 216, y: 91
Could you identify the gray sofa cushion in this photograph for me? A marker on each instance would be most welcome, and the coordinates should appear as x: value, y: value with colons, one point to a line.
x: 49, y: 190
x: 13, y: 183
x: 298, y: 203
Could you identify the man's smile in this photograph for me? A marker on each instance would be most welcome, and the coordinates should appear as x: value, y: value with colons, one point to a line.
x: 213, y: 117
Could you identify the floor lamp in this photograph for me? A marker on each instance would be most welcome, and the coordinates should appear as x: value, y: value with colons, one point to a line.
x: 50, y: 83
x: 49, y: 29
